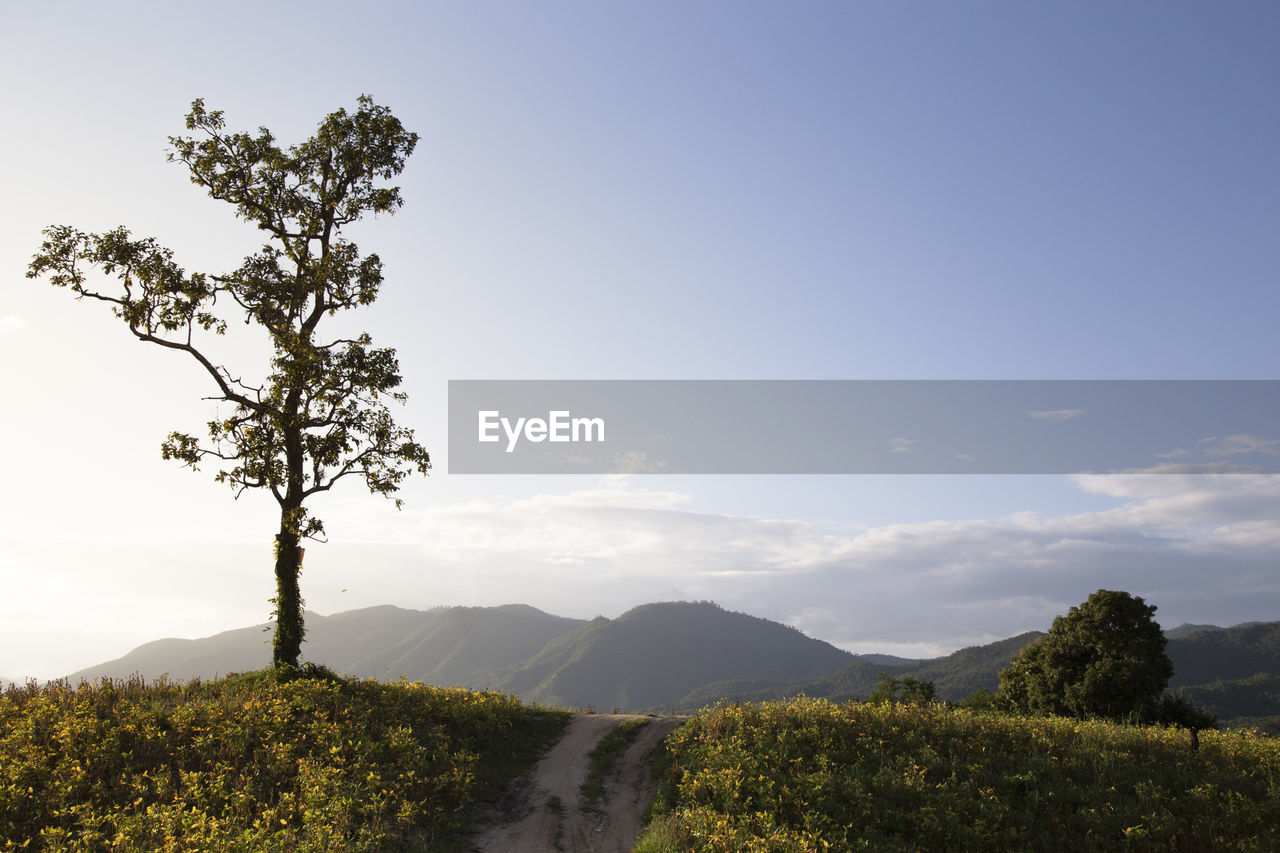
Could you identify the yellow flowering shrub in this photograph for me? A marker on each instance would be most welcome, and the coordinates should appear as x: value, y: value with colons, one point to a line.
x: 250, y: 763
x: 809, y: 775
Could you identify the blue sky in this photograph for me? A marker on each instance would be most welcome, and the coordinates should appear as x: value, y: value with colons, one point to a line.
x: 663, y: 191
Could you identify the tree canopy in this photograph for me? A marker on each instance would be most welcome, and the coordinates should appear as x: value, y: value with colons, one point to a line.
x: 320, y: 415
x: 907, y: 690
x: 1105, y: 658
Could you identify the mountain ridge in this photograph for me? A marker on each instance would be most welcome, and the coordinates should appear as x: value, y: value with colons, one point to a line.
x: 673, y: 656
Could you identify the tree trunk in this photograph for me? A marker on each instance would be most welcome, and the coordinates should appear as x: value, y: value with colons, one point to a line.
x: 288, y: 640
x: 287, y: 645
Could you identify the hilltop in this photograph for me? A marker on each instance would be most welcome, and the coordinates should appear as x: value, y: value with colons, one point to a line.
x: 654, y: 655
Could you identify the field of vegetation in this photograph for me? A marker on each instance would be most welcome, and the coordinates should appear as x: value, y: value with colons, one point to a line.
x: 255, y: 762
x: 808, y: 775
x: 258, y: 762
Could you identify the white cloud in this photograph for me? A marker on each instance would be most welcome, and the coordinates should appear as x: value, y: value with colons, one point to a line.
x: 1219, y: 447
x: 1232, y: 445
x: 1055, y: 414
x: 10, y: 324
x: 637, y: 462
x: 901, y: 445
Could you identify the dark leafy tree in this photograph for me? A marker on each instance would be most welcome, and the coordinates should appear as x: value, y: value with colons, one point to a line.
x: 907, y: 690
x: 319, y: 414
x: 1175, y: 709
x: 981, y: 699
x: 1105, y: 658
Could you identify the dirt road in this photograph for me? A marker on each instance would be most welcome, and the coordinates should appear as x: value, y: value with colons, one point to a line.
x: 542, y: 813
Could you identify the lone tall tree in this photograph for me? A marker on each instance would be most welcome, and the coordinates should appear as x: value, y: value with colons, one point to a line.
x: 319, y: 415
x: 1105, y: 658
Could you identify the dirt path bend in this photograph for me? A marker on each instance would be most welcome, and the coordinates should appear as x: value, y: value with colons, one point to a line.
x: 542, y: 813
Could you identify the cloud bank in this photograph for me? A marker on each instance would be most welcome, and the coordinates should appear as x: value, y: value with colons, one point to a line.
x: 1201, y: 547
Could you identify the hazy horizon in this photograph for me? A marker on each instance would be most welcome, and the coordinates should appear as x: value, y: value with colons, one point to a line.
x: 670, y: 192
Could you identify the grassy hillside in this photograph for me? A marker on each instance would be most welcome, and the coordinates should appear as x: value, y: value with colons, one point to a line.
x: 809, y: 775
x: 255, y: 763
x: 652, y: 656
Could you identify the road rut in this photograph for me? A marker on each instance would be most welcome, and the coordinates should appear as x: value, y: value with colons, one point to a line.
x: 542, y: 812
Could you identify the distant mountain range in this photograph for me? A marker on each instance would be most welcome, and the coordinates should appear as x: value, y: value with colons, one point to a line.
x: 675, y: 656
x: 455, y: 646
